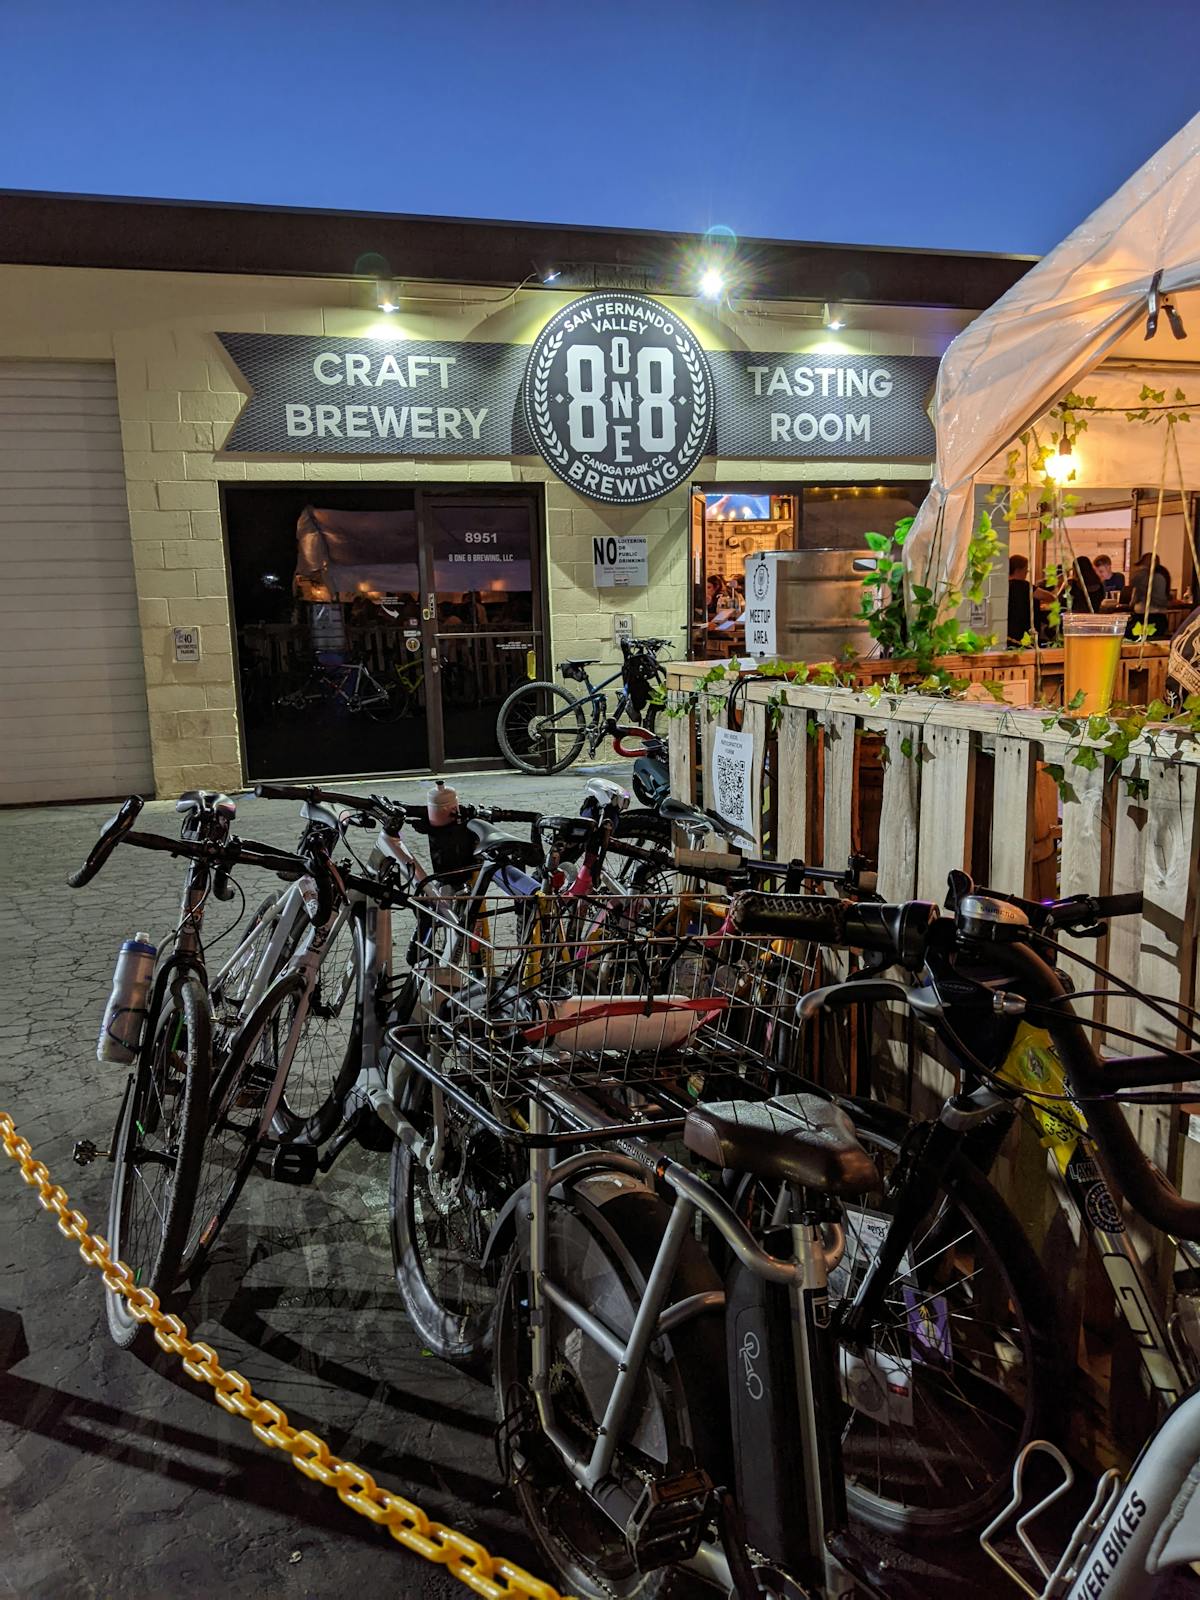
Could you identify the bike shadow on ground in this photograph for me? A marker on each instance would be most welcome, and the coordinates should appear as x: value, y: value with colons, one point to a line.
x: 334, y: 1349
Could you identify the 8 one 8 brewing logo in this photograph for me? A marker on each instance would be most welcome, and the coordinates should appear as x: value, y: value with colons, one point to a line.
x: 618, y: 397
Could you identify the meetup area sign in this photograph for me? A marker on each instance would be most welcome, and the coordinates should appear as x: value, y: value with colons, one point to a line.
x: 616, y: 395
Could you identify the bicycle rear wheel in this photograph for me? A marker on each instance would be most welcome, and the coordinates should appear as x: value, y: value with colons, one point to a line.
x: 159, y: 1144
x: 678, y: 1421
x: 540, y: 728
x: 961, y: 1371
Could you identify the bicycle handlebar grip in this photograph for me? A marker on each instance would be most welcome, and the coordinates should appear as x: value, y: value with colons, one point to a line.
x: 1119, y: 905
x: 502, y: 814
x: 284, y: 791
x: 899, y: 931
x: 111, y: 834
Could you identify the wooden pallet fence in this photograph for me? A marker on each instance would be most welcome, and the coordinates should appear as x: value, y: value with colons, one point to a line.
x: 927, y: 786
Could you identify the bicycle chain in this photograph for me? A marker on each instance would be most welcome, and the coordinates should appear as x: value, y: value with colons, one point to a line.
x: 464, y: 1558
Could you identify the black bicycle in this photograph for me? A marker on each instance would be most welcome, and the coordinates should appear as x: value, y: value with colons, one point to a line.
x: 543, y: 727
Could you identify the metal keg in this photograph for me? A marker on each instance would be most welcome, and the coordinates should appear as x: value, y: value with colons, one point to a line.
x: 817, y: 598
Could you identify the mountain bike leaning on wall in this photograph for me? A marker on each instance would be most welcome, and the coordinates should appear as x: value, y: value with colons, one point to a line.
x: 543, y: 727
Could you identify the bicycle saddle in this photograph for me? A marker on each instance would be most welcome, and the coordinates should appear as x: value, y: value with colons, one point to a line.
x: 578, y: 663
x: 686, y: 816
x: 798, y: 1138
x: 209, y: 802
x: 497, y: 845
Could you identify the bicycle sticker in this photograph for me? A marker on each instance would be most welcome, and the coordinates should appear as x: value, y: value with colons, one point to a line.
x: 878, y: 1385
x: 865, y: 1232
x: 929, y: 1327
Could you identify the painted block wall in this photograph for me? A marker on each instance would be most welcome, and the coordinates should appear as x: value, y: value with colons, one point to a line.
x: 179, y: 394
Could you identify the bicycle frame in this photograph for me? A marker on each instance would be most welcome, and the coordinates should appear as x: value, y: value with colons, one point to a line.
x: 815, y: 1504
x: 1031, y: 1064
x: 598, y: 700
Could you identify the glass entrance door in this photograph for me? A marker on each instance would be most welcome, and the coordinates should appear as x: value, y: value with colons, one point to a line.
x: 378, y: 629
x: 484, y: 606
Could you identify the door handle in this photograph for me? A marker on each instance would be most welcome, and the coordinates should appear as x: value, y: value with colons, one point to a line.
x: 429, y: 609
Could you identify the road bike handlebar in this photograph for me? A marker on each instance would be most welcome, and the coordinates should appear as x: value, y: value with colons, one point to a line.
x: 385, y: 810
x: 224, y: 857
x: 111, y: 834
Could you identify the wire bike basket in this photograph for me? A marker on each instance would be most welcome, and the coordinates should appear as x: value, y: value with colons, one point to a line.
x: 590, y: 991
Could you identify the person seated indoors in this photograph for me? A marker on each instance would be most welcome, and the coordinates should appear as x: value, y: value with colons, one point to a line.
x: 1085, y: 587
x: 1148, y: 574
x: 722, y: 607
x: 1113, y: 582
x: 1025, y: 602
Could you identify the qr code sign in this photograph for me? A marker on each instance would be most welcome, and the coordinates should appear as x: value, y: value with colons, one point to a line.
x: 729, y: 785
x: 733, y: 754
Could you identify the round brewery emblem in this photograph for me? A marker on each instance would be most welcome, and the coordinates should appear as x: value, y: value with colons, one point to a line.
x: 761, y: 580
x: 619, y: 397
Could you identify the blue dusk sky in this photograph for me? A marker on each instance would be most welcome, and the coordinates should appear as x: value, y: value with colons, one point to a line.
x: 926, y: 123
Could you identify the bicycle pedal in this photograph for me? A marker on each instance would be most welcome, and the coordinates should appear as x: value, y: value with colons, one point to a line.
x: 670, y: 1519
x: 295, y: 1163
x: 85, y: 1152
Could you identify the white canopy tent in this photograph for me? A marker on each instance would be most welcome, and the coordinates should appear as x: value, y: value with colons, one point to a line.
x: 1082, y: 305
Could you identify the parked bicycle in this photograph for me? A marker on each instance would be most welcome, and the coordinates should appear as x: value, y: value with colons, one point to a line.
x: 352, y: 687
x: 174, y: 1041
x: 543, y: 727
x: 614, y: 1325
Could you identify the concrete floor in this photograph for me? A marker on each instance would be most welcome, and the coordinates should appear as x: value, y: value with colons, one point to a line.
x: 120, y: 1478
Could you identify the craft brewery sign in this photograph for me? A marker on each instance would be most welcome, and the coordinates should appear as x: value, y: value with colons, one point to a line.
x: 616, y: 395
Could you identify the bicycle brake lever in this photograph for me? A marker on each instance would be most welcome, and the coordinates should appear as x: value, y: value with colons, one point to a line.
x: 835, y: 995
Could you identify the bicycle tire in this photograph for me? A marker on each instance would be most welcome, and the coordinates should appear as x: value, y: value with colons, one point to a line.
x: 516, y: 718
x: 389, y: 704
x: 170, y: 1089
x: 1024, y: 1393
x: 440, y: 1224
x: 231, y: 1140
x: 324, y: 1065
x: 231, y: 985
x: 603, y: 1256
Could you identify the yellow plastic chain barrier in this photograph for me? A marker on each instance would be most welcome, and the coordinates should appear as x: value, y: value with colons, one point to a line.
x: 465, y: 1558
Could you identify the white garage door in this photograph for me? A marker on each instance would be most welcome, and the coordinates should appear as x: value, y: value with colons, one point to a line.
x: 73, y: 720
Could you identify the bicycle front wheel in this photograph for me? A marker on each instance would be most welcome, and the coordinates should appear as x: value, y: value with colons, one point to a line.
x: 235, y: 1111
x: 159, y: 1144
x: 324, y: 1065
x: 540, y: 728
